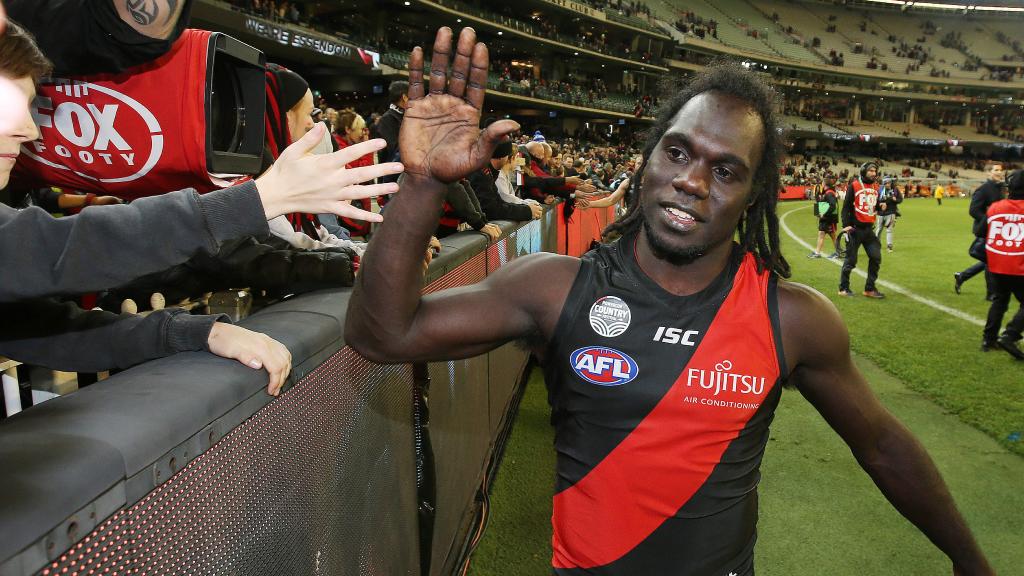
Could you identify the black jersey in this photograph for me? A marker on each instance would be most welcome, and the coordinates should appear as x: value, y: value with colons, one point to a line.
x: 661, y: 405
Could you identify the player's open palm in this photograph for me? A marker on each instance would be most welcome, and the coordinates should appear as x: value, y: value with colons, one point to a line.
x: 440, y: 136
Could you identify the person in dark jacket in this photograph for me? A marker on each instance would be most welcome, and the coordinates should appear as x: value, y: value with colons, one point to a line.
x: 461, y: 205
x: 391, y: 121
x: 484, y: 184
x: 990, y: 192
x: 858, y: 221
x: 889, y: 199
x: 828, y: 215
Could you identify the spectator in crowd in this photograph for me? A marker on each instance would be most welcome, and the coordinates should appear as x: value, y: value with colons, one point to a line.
x: 107, y: 245
x: 461, y: 206
x: 484, y: 183
x: 858, y: 215
x: 352, y: 130
x: 1006, y: 263
x: 990, y: 192
x: 391, y: 121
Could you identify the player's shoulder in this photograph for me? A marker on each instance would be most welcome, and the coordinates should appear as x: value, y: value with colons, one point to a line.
x: 539, y: 270
x: 802, y: 307
x: 811, y: 326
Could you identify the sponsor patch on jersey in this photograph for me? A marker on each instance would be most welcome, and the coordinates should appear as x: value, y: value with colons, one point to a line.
x: 603, y: 366
x: 609, y: 316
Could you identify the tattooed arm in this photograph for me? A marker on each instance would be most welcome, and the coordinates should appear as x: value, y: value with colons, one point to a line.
x: 153, y: 18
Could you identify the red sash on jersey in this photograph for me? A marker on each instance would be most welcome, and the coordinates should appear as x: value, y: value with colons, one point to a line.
x: 672, y: 452
x: 1004, y: 240
x: 865, y: 199
x: 138, y: 133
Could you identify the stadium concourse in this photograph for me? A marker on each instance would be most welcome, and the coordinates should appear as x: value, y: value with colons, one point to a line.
x: 180, y: 394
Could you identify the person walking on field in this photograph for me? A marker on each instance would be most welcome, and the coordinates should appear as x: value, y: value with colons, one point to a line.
x: 858, y: 221
x: 889, y: 199
x: 1004, y: 247
x: 827, y: 209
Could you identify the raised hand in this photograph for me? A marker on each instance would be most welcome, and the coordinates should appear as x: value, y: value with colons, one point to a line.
x: 440, y: 136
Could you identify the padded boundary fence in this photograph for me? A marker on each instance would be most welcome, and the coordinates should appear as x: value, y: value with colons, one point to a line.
x: 184, y: 466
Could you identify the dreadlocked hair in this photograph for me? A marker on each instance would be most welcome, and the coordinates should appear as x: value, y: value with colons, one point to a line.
x: 758, y: 229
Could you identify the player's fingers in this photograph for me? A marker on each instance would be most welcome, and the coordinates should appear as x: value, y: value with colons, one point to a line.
x: 416, y: 74
x: 439, y: 60
x: 478, y: 76
x: 304, y: 145
x: 460, y: 67
x: 354, y: 152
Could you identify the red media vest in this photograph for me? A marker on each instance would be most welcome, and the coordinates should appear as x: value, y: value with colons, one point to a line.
x: 1004, y: 240
x: 134, y: 134
x: 865, y: 199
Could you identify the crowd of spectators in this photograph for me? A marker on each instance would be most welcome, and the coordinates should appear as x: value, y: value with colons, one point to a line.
x: 692, y: 23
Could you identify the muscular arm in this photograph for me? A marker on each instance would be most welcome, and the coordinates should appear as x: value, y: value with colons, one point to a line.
x: 387, y: 320
x: 823, y: 371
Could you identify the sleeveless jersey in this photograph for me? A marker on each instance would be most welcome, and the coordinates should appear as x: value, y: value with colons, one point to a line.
x: 865, y: 199
x: 661, y: 405
x: 1004, y: 241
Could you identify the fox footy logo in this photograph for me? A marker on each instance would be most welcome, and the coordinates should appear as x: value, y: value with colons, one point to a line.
x: 94, y: 131
x: 603, y: 366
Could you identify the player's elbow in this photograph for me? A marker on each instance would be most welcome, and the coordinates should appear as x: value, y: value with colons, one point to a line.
x: 379, y: 348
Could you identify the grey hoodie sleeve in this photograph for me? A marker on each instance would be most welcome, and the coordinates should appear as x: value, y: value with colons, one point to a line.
x: 62, y: 336
x: 107, y: 246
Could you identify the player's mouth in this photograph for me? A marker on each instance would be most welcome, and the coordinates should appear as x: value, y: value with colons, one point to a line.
x: 9, y: 157
x: 681, y: 218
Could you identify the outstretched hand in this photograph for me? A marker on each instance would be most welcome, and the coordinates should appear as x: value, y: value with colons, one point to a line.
x: 440, y: 136
x: 300, y: 181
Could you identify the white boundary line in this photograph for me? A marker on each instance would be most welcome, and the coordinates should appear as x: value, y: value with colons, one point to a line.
x: 887, y: 285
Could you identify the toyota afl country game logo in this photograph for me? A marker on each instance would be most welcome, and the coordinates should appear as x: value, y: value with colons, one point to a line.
x: 1006, y: 234
x: 609, y: 316
x: 603, y: 366
x: 93, y: 130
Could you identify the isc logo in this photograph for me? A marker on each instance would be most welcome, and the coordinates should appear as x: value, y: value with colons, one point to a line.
x: 603, y: 366
x: 676, y: 336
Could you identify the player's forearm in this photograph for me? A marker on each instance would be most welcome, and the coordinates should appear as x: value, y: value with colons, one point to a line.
x: 388, y: 288
x: 908, y: 478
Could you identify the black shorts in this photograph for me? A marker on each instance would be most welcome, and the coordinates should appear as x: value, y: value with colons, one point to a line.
x: 826, y: 226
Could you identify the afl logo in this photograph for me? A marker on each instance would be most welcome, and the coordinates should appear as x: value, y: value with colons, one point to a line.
x: 94, y: 131
x: 603, y: 366
x: 609, y: 316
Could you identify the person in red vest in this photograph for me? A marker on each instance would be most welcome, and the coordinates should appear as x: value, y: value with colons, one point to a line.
x: 664, y: 351
x: 858, y: 222
x: 352, y: 130
x: 1004, y: 246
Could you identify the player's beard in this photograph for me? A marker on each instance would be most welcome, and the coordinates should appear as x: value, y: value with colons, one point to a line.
x: 662, y: 251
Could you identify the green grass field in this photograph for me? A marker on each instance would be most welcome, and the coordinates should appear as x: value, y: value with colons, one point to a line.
x: 820, y: 514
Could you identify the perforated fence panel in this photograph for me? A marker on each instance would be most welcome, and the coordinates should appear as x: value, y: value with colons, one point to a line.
x: 297, y: 489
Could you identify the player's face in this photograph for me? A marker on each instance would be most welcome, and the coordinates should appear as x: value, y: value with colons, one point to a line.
x: 996, y: 174
x: 16, y: 124
x: 698, y: 182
